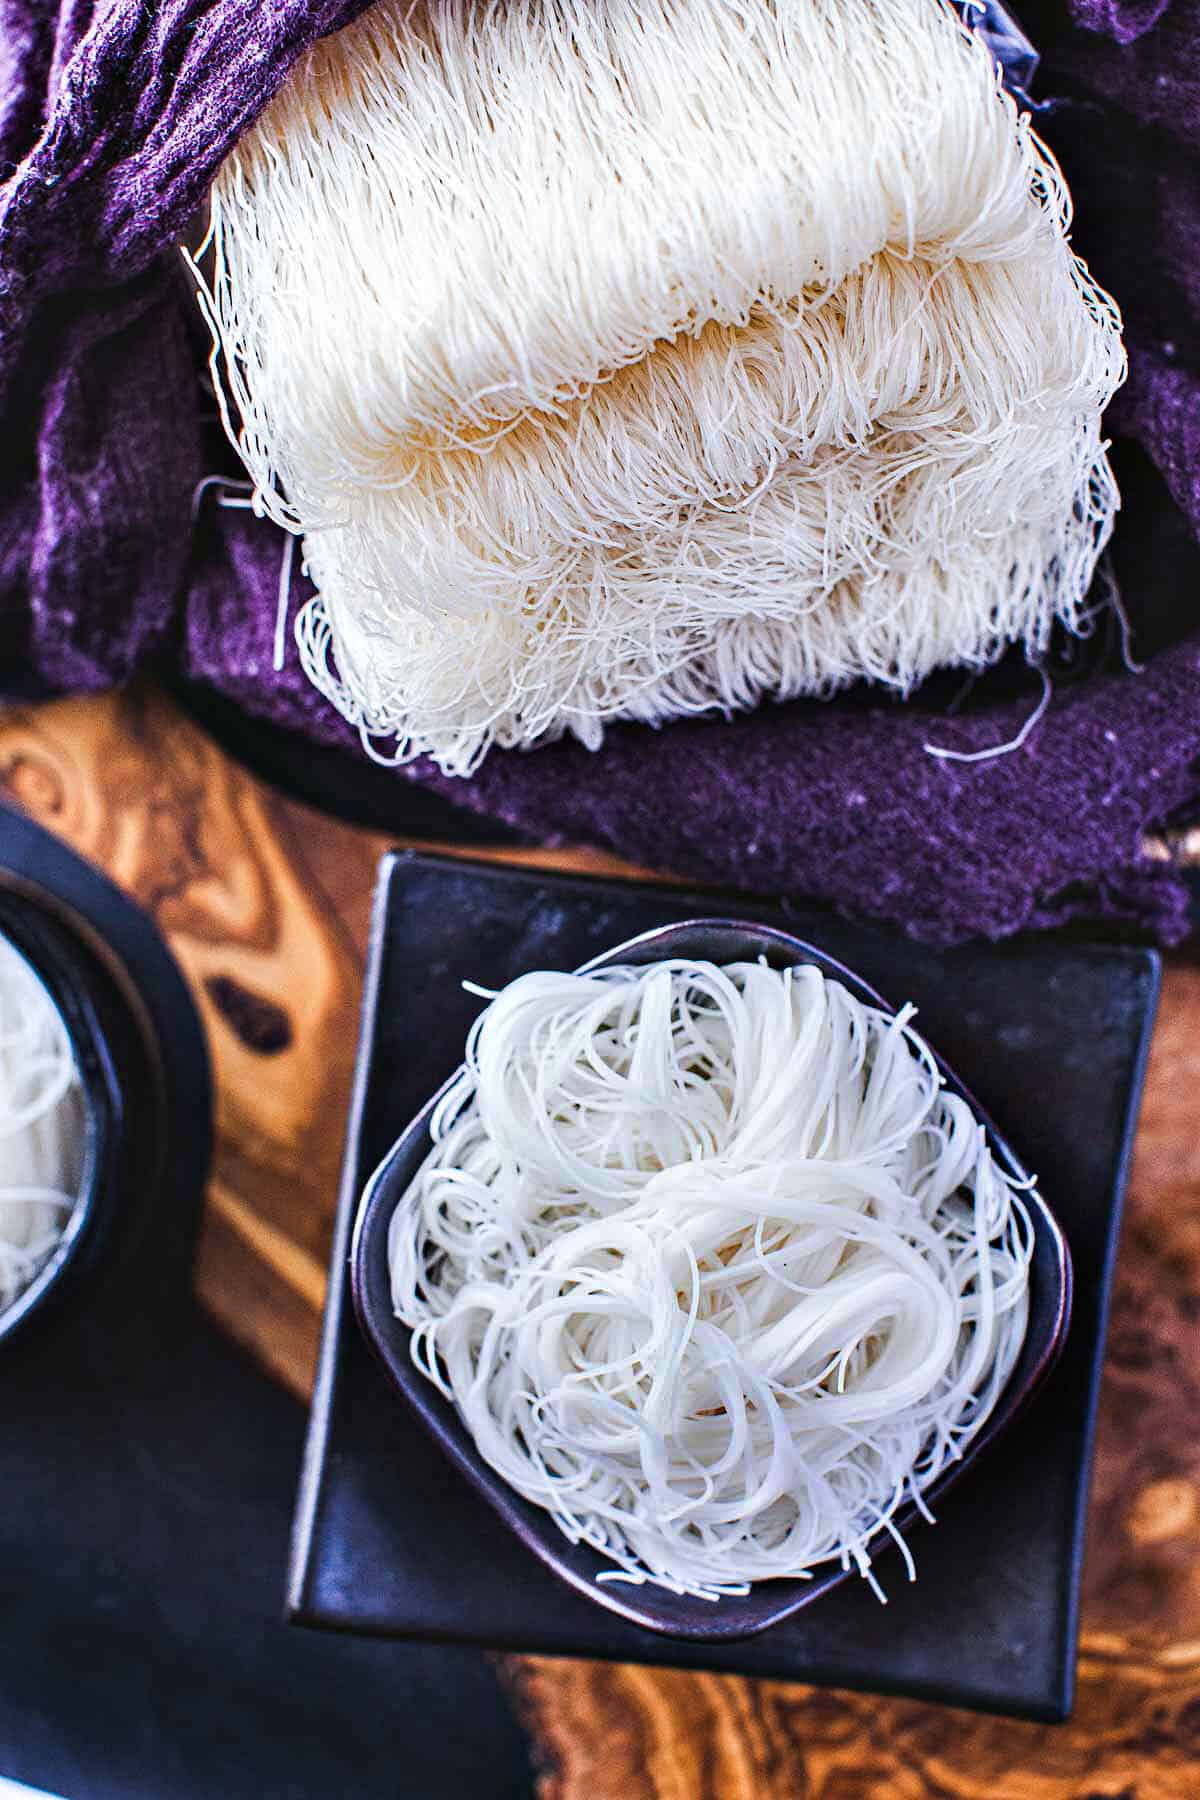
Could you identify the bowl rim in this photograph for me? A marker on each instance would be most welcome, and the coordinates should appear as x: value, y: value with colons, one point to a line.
x: 647, y: 1605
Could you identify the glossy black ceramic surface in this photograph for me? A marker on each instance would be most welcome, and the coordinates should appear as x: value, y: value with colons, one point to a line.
x: 657, y: 1609
x: 1050, y: 1036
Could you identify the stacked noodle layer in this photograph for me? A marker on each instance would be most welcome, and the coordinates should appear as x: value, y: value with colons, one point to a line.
x: 633, y: 360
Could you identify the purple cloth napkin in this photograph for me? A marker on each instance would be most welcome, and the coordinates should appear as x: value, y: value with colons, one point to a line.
x: 113, y: 117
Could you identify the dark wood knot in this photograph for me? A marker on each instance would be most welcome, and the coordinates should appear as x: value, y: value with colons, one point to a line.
x: 258, y: 1022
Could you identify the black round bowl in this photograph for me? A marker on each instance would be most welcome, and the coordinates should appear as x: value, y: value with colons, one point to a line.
x: 147, y: 1096
x: 721, y: 941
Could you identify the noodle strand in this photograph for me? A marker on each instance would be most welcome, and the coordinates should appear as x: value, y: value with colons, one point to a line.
x: 712, y: 1266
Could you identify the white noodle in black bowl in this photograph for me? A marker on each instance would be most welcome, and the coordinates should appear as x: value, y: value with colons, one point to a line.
x: 623, y: 1408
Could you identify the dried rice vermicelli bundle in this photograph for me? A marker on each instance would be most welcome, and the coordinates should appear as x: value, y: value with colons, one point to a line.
x: 713, y: 1268
x: 634, y: 359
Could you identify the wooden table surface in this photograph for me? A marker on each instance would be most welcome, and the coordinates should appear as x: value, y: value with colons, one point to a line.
x: 265, y: 904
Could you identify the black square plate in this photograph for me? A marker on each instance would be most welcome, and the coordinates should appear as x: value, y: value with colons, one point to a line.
x: 1052, y: 1038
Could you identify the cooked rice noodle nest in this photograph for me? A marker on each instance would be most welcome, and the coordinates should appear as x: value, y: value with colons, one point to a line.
x: 41, y: 1125
x: 641, y: 359
x: 711, y: 1265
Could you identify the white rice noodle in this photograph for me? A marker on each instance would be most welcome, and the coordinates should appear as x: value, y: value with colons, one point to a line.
x: 41, y: 1125
x: 713, y: 1268
x: 638, y: 359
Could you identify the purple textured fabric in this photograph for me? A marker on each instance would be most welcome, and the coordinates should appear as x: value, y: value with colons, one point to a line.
x: 113, y: 117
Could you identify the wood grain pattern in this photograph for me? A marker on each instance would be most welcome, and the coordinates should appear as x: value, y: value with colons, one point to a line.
x: 265, y: 904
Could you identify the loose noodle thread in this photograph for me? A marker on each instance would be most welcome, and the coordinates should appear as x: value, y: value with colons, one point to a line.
x: 712, y: 1266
